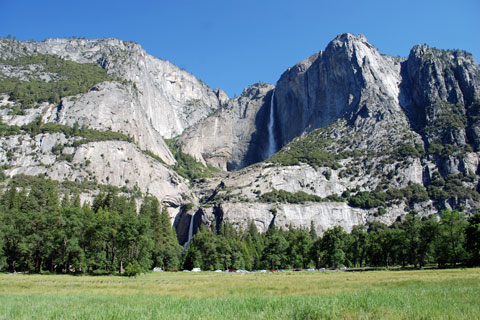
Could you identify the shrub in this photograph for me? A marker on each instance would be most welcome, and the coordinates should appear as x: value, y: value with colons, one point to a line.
x: 133, y: 269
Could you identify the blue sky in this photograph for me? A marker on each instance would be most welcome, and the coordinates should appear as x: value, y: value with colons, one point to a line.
x: 232, y: 44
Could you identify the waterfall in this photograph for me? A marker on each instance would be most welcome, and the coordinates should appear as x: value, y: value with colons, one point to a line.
x: 190, y: 231
x: 272, y: 145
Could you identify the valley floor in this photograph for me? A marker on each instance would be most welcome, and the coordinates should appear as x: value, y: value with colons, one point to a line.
x: 428, y: 294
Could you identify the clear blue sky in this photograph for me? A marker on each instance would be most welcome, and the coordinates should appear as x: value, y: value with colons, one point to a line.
x: 232, y: 44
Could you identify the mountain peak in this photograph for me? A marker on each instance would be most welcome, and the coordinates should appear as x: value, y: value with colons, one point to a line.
x: 348, y: 37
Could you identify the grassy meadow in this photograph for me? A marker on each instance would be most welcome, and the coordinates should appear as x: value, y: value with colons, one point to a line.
x: 424, y: 294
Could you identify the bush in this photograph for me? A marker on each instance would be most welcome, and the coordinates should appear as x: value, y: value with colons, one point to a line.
x: 133, y: 269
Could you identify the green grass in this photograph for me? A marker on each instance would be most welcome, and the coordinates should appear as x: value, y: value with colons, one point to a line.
x: 439, y: 294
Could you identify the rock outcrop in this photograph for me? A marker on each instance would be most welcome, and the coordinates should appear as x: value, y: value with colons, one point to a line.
x: 117, y: 163
x: 349, y: 80
x: 172, y: 99
x: 235, y: 136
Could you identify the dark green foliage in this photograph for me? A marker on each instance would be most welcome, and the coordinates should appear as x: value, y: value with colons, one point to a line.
x: 69, y: 78
x: 212, y: 249
x: 153, y: 155
x: 309, y: 150
x: 86, y: 134
x: 300, y: 245
x: 133, y: 269
x: 412, y: 240
x: 452, y: 187
x: 413, y: 193
x: 446, y: 150
x: 275, y: 250
x: 444, y: 116
x: 6, y: 130
x: 356, y: 246
x: 187, y: 166
x: 202, y: 251
x: 472, y: 235
x: 282, y: 196
x: 166, y: 252
x: 407, y: 150
x: 38, y: 233
x: 450, y: 246
x: 329, y: 251
x: 368, y: 200
x: 71, y: 187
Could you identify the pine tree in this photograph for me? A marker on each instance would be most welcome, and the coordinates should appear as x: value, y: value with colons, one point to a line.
x: 275, y: 252
x: 472, y: 234
x: 451, y: 239
x: 166, y: 250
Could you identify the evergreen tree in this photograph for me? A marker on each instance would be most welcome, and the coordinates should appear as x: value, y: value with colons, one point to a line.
x: 299, y: 246
x: 313, y: 233
x: 275, y: 251
x: 166, y: 251
x: 451, y: 238
x: 472, y: 234
x: 202, y: 251
x: 68, y: 237
x: 42, y: 210
x: 357, y: 245
x: 412, y: 227
x: 254, y: 242
x: 12, y: 227
x: 428, y: 234
x: 332, y: 247
x: 98, y: 243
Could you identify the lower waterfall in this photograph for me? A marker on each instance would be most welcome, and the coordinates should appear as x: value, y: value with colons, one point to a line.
x: 190, y: 231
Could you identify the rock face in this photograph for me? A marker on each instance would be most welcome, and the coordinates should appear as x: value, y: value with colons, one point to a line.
x: 437, y: 90
x: 443, y: 88
x: 170, y: 98
x: 152, y: 99
x: 118, y: 163
x: 323, y: 215
x: 235, y: 136
x: 389, y: 122
x: 115, y: 107
x: 349, y: 122
x: 350, y: 80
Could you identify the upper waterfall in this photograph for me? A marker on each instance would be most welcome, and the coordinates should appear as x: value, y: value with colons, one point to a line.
x: 272, y: 144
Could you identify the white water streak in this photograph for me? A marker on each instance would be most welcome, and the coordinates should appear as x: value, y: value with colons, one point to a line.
x: 272, y: 145
x: 190, y: 231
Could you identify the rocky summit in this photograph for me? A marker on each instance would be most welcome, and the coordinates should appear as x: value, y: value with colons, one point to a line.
x: 346, y: 137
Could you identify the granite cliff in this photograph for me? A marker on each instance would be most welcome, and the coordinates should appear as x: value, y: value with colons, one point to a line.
x: 360, y: 136
x: 364, y: 132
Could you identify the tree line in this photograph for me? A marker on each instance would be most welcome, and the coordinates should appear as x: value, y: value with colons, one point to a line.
x: 447, y: 240
x: 39, y: 232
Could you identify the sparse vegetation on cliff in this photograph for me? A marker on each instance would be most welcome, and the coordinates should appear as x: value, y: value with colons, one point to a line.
x: 310, y: 150
x: 61, y: 78
x: 187, y: 166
